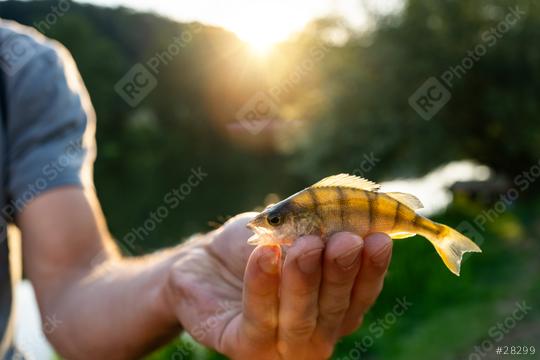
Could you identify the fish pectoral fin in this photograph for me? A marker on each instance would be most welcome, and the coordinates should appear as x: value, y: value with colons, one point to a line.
x: 406, y: 199
x: 401, y: 235
x: 347, y: 180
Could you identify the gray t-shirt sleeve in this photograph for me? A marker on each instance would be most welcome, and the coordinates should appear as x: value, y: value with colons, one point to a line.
x: 50, y: 123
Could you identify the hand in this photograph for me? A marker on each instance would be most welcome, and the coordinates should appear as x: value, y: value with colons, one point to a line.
x: 244, y: 303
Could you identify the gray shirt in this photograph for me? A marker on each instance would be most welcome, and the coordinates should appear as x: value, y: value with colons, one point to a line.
x: 46, y: 137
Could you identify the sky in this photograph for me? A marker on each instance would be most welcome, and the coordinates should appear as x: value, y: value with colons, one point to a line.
x: 259, y: 23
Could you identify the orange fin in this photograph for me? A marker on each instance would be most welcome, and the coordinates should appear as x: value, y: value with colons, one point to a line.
x: 451, y: 245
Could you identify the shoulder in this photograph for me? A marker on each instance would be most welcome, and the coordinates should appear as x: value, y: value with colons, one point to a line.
x: 22, y: 47
x: 39, y: 74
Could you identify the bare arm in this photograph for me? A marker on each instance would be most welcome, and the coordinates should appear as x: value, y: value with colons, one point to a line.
x: 114, y: 309
x: 220, y: 288
x: 227, y: 294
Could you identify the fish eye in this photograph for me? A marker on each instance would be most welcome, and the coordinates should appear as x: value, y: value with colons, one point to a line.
x: 274, y: 220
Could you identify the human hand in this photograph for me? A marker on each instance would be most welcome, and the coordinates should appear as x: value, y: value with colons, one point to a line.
x: 241, y: 300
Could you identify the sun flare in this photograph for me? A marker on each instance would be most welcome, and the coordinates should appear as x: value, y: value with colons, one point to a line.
x: 262, y: 25
x: 260, y: 36
x: 260, y: 43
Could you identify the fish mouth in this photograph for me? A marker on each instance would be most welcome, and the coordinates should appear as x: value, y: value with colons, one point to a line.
x: 261, y: 234
x: 254, y: 226
x: 262, y: 237
x: 250, y: 225
x: 265, y: 235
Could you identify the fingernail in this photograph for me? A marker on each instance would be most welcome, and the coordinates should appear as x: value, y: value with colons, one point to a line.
x: 310, y: 261
x: 349, y: 258
x: 268, y: 261
x: 381, y: 257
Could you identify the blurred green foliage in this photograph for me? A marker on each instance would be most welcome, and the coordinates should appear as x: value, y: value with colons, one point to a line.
x: 337, y: 102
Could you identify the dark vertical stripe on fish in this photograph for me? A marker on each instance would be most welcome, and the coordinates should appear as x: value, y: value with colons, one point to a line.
x: 342, y: 201
x: 426, y: 224
x: 396, y: 217
x: 371, y: 206
x: 416, y: 222
x: 316, y: 204
x: 396, y: 208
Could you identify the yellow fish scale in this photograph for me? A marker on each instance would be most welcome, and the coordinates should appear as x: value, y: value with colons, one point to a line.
x: 359, y: 211
x: 345, y: 202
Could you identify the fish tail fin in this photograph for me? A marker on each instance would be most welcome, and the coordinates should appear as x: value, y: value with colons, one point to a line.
x: 451, y: 245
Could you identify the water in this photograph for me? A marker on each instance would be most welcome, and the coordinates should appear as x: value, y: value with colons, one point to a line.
x: 433, y: 188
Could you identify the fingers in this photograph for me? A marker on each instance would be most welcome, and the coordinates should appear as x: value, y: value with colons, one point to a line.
x: 299, y: 296
x: 261, y: 295
x: 342, y: 258
x: 369, y: 282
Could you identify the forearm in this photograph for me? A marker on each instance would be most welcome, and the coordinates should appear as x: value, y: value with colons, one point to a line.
x: 112, y: 308
x: 117, y: 310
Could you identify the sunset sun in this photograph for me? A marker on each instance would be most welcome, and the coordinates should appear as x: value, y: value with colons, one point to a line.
x: 263, y: 25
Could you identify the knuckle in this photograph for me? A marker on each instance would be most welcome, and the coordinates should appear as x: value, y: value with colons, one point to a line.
x: 175, y: 283
x: 300, y: 329
x: 339, y: 284
x: 255, y: 329
x: 336, y: 276
x: 335, y: 309
x: 303, y: 291
x: 265, y: 324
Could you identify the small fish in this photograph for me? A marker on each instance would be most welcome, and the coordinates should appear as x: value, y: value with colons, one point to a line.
x: 349, y: 203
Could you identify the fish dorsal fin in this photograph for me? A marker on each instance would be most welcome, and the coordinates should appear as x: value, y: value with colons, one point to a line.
x: 347, y: 180
x: 406, y: 199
